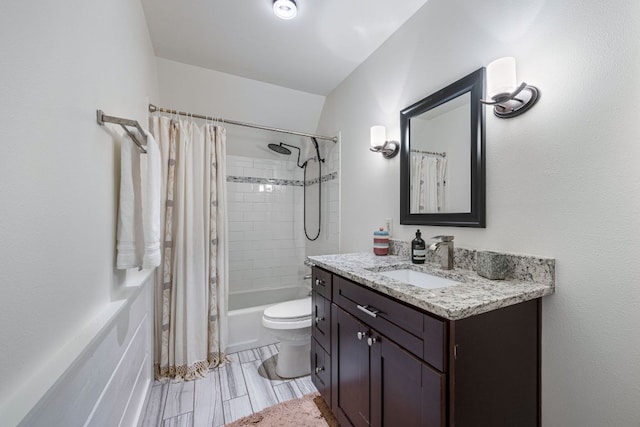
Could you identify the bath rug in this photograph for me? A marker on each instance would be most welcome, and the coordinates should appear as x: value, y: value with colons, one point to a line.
x: 308, y: 411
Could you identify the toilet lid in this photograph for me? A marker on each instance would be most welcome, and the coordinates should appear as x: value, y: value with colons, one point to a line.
x: 295, y: 310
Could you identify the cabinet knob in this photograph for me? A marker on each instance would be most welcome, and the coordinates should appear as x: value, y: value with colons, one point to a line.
x: 319, y: 319
x: 319, y: 282
x: 361, y: 335
x: 371, y: 341
x: 318, y: 369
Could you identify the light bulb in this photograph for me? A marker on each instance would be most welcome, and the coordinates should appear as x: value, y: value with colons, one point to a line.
x: 285, y: 9
x: 378, y: 136
x: 501, y: 76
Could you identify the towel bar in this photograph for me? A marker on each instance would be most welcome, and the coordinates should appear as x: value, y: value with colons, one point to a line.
x: 102, y: 118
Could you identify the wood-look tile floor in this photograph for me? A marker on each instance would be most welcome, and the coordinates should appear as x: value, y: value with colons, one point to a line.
x: 239, y: 388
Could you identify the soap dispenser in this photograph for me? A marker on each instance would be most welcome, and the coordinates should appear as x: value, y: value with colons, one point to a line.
x: 418, y: 249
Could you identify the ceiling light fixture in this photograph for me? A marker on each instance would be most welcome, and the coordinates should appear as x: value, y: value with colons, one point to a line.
x: 285, y: 9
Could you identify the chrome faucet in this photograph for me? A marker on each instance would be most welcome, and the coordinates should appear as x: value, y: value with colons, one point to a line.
x: 446, y: 260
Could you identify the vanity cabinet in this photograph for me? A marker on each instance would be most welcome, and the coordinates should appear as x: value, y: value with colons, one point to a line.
x: 392, y: 364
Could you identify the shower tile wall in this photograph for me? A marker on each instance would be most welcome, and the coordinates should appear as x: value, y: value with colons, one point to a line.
x: 328, y: 241
x: 266, y: 238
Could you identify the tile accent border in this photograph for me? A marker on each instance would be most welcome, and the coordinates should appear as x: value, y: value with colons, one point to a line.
x: 328, y: 177
x: 290, y: 182
x: 254, y: 180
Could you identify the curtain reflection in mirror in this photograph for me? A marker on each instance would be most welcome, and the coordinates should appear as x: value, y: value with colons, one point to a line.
x: 428, y: 181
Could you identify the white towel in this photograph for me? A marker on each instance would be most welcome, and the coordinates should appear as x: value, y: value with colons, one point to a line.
x: 138, y: 235
x: 130, y: 209
x: 151, y: 207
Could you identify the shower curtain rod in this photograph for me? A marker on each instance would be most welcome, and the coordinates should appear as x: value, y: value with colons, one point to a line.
x: 433, y: 153
x: 153, y: 109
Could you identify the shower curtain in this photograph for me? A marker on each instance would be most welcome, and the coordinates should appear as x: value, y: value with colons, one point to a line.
x: 192, y: 279
x: 428, y: 183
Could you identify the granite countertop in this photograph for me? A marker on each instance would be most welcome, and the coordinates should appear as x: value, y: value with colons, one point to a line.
x: 474, y: 294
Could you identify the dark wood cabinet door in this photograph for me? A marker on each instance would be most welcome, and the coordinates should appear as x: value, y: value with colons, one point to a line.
x: 321, y: 317
x: 496, y: 368
x: 350, y: 367
x: 404, y: 390
x: 321, y: 370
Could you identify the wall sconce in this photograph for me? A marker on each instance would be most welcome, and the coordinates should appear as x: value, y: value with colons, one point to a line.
x: 379, y: 143
x: 508, y: 99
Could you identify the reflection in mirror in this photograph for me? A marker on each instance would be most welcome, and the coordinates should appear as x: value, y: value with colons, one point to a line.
x: 442, y: 176
x: 440, y: 155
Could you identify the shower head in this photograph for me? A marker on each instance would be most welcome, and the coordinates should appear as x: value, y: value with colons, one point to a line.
x: 280, y: 149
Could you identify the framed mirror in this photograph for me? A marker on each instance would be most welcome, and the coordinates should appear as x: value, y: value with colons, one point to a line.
x: 442, y: 161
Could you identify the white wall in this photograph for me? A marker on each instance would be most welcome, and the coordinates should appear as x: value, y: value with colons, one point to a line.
x: 563, y: 180
x: 202, y: 91
x: 58, y: 171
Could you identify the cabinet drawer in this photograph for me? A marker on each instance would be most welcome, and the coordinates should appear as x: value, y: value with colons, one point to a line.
x: 321, y: 282
x: 392, y: 318
x: 321, y: 371
x: 321, y: 318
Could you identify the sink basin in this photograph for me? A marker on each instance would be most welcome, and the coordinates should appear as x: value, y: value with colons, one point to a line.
x: 419, y: 279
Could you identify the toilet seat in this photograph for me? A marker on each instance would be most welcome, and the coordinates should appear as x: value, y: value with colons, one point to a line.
x: 288, y: 315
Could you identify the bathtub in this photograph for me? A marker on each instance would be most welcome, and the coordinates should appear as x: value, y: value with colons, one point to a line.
x: 245, y: 316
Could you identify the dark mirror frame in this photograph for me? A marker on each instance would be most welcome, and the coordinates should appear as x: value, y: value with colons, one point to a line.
x: 473, y: 83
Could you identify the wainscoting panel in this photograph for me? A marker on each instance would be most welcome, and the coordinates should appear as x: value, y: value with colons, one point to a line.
x: 116, y: 395
x: 108, y: 382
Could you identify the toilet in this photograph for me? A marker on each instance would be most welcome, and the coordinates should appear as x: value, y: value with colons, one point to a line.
x: 290, y: 323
